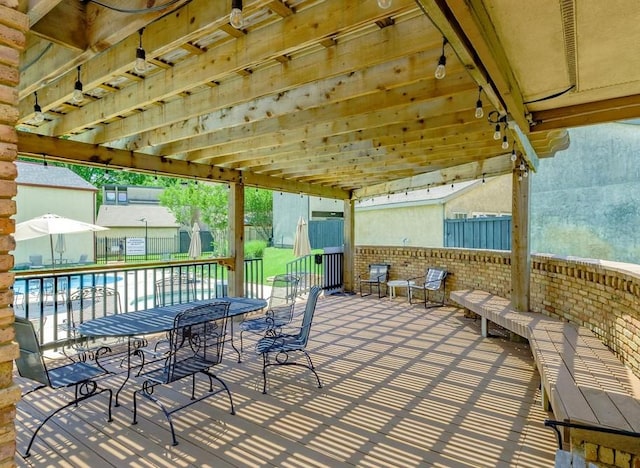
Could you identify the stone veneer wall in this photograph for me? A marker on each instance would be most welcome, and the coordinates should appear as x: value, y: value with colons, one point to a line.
x: 602, y: 296
x: 13, y: 25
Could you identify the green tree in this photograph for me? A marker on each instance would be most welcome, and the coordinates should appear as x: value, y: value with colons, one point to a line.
x: 192, y: 202
x: 258, y: 206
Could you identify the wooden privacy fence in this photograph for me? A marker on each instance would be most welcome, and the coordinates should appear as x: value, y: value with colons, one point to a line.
x: 478, y: 233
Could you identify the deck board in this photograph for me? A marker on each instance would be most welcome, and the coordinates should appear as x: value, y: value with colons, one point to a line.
x: 402, y: 387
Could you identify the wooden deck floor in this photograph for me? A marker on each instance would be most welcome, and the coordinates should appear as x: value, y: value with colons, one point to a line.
x: 403, y: 387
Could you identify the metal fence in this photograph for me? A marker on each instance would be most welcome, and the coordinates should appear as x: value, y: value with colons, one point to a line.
x: 50, y: 299
x: 324, y: 270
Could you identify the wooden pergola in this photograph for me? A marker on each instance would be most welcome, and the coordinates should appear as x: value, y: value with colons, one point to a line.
x: 333, y: 98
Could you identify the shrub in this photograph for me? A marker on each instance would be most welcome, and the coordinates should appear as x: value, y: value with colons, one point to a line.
x: 255, y: 249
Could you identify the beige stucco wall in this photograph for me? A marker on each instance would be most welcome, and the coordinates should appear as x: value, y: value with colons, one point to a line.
x: 421, y: 225
x: 494, y: 196
x: 33, y: 201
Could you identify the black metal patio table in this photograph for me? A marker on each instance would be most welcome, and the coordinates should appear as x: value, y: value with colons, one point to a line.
x: 157, y: 320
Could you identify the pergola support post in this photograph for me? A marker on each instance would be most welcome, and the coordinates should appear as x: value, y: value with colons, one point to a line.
x: 520, y: 255
x: 236, y: 239
x: 349, y: 243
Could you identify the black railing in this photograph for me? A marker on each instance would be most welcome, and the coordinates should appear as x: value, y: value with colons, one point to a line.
x: 324, y: 270
x: 49, y: 298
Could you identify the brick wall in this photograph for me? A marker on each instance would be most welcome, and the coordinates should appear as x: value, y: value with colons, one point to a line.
x: 602, y: 296
x: 12, y: 40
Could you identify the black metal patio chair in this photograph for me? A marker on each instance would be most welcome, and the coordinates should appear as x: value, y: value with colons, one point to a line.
x: 89, y: 303
x: 196, y: 344
x: 434, y: 280
x: 377, y: 278
x: 77, y: 375
x: 280, y: 308
x: 280, y: 349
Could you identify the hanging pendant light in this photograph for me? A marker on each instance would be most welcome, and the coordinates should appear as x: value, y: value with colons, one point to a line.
x: 479, y: 111
x: 384, y: 4
x: 77, y: 97
x: 38, y: 117
x: 235, y: 18
x: 141, y: 57
x: 441, y: 69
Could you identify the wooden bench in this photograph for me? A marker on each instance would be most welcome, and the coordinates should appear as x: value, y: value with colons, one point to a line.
x: 582, y: 380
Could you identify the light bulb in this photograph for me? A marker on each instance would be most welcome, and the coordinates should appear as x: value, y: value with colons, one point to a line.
x: 497, y: 135
x: 384, y: 4
x: 522, y: 166
x: 77, y: 97
x: 526, y: 174
x: 141, y: 61
x: 236, y: 19
x: 520, y: 177
x: 38, y: 117
x: 513, y: 155
x: 505, y: 143
x: 441, y: 70
x: 479, y: 110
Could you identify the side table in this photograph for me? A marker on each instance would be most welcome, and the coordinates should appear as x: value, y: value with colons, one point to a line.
x: 392, y: 285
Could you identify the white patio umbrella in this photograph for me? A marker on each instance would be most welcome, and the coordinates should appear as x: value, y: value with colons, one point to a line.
x: 301, y: 244
x: 195, y: 246
x: 50, y: 224
x: 61, y: 245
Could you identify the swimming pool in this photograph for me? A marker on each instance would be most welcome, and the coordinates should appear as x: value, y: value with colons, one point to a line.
x: 67, y: 283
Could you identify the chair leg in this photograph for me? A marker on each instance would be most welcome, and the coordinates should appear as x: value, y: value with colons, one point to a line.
x: 167, y: 414
x: 71, y: 403
x: 265, y: 363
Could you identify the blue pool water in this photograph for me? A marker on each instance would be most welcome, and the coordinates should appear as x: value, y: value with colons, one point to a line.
x: 71, y: 282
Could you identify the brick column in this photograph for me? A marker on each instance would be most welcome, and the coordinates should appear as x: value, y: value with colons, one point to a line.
x: 13, y: 26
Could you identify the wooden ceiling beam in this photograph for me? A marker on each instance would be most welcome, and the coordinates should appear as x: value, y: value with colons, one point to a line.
x: 356, y: 97
x: 347, y: 125
x: 186, y: 25
x: 491, y: 167
x: 95, y: 155
x: 592, y: 113
x: 37, y: 9
x: 72, y: 14
x: 367, y: 53
x: 275, y: 39
x: 399, y: 133
x: 476, y: 34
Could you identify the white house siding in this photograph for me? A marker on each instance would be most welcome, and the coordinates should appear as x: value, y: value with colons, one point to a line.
x: 419, y: 225
x: 493, y: 197
x: 71, y: 203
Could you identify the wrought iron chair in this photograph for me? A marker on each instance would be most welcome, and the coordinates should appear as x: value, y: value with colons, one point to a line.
x: 89, y: 303
x: 283, y: 346
x: 196, y: 344
x: 377, y: 278
x: 175, y: 289
x: 280, y: 308
x: 31, y: 365
x: 433, y: 280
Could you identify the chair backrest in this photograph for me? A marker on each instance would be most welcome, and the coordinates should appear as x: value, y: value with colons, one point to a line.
x: 30, y: 364
x: 434, y: 278
x: 92, y: 302
x: 175, y: 289
x: 284, y: 290
x: 196, y: 340
x: 379, y: 271
x: 307, y: 318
